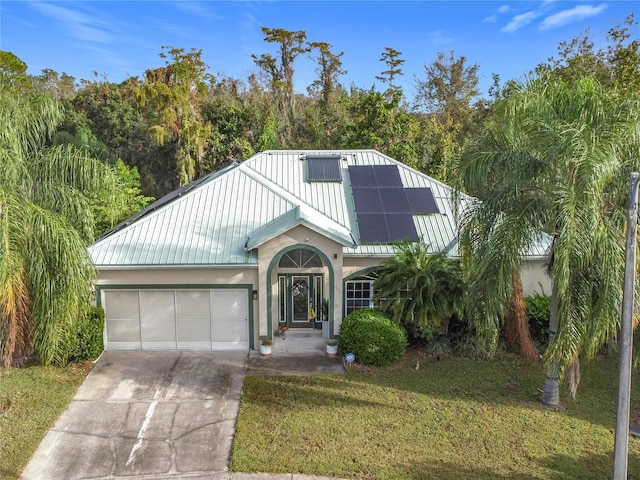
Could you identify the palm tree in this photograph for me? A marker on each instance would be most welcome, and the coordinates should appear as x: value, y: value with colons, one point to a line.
x: 554, y: 159
x: 45, y: 225
x: 418, y: 289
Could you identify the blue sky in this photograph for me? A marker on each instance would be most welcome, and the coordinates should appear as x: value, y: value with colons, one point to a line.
x: 120, y: 39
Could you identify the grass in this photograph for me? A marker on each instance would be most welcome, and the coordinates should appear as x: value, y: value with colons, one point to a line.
x: 453, y: 419
x: 31, y: 399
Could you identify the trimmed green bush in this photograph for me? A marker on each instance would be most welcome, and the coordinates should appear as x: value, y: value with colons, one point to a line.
x: 88, y: 339
x: 538, y: 309
x: 372, y: 338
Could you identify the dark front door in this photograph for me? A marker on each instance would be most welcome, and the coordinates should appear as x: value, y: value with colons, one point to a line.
x: 301, y: 302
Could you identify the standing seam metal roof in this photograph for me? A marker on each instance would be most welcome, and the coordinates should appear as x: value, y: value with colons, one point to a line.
x: 211, y: 221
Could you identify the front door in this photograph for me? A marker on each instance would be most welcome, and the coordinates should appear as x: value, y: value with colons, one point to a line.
x: 300, y: 300
x: 301, y: 306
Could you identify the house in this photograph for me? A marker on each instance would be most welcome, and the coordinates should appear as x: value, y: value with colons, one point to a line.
x: 284, y: 238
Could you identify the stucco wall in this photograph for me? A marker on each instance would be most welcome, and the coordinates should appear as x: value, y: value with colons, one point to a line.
x: 178, y: 276
x: 534, y: 278
x: 354, y: 265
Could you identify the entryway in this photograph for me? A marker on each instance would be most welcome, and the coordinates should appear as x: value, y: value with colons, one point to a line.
x: 301, y: 352
x: 300, y: 300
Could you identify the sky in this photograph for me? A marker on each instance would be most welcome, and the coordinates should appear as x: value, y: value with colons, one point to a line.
x: 120, y: 39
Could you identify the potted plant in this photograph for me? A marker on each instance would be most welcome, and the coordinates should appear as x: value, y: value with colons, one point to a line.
x: 265, y: 346
x: 332, y: 347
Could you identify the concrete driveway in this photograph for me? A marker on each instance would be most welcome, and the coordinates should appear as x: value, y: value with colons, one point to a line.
x: 147, y: 415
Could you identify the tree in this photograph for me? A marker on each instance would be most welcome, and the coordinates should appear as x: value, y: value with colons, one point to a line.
x: 419, y: 290
x: 174, y: 93
x: 449, y: 88
x: 329, y: 69
x: 280, y: 71
x: 617, y: 65
x: 46, y: 224
x: 446, y: 95
x: 555, y: 159
x: 111, y: 113
x: 60, y: 86
x: 391, y: 57
x: 377, y: 121
x: 324, y: 110
x: 127, y: 201
x: 13, y: 72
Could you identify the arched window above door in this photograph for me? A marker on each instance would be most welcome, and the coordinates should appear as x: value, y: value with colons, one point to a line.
x: 300, y: 258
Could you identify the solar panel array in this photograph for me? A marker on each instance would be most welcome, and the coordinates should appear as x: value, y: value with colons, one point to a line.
x: 324, y: 168
x: 384, y: 208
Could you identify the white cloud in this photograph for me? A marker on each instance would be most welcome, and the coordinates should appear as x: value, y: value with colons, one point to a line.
x: 575, y: 14
x: 197, y: 8
x: 519, y: 21
x: 493, y: 18
x: 78, y: 25
x: 439, y: 37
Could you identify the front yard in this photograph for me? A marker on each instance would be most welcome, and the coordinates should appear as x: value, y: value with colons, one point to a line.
x: 452, y: 419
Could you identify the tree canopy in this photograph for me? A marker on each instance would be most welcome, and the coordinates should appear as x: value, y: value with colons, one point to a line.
x: 555, y: 159
x: 46, y: 223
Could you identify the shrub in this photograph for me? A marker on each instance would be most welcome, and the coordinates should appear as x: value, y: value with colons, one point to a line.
x: 420, y: 290
x: 538, y: 309
x: 372, y: 338
x: 88, y: 342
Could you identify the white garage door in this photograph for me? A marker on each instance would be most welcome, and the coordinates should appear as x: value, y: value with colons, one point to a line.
x: 215, y: 319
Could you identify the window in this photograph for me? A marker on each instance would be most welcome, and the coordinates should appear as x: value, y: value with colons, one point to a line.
x: 282, y: 299
x: 359, y: 293
x: 317, y: 298
x: 300, y: 258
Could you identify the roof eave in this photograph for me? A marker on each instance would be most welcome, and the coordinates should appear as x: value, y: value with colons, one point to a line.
x: 176, y: 266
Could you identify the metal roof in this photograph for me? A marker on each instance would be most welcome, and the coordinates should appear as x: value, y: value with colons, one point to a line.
x: 222, y: 218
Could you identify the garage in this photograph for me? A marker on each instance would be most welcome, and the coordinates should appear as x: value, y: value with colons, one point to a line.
x: 180, y: 319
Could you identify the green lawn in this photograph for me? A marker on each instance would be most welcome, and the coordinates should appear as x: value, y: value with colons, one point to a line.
x: 453, y: 419
x: 31, y: 399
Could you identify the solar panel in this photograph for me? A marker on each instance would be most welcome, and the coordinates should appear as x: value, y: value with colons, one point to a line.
x: 384, y: 208
x: 324, y: 169
x: 367, y: 200
x: 421, y: 201
x: 401, y: 227
x: 387, y: 176
x: 373, y: 228
x: 362, y: 176
x: 394, y: 200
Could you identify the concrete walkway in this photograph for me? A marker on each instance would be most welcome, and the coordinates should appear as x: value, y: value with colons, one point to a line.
x: 298, y: 352
x: 165, y: 415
